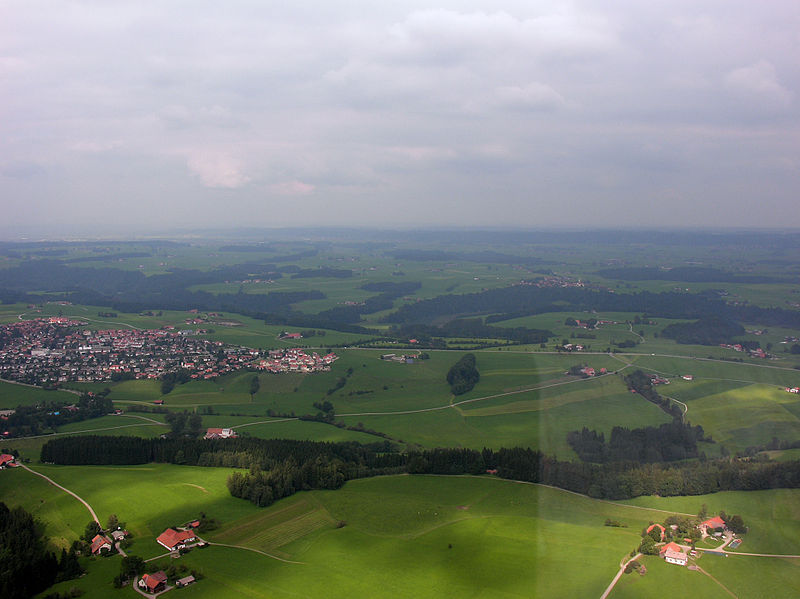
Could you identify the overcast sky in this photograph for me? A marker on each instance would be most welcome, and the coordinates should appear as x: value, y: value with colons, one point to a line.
x: 155, y: 114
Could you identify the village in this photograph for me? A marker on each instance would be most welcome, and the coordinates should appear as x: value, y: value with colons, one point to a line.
x: 49, y: 351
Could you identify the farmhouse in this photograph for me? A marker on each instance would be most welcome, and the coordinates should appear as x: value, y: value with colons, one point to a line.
x: 675, y: 557
x: 175, y: 539
x: 6, y: 460
x: 182, y: 582
x: 100, y: 543
x: 220, y: 433
x: 153, y: 583
x: 712, y: 524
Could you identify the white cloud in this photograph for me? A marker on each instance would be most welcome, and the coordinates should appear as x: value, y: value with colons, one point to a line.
x: 292, y: 188
x: 218, y: 170
x: 759, y: 80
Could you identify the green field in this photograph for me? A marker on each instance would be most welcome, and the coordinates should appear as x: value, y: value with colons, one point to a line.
x: 426, y: 536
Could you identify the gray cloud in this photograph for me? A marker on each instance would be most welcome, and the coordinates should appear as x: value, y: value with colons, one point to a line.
x: 477, y: 112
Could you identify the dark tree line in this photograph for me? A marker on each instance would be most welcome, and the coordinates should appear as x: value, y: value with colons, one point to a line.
x: 463, y: 375
x: 666, y: 443
x: 472, y: 328
x: 524, y: 300
x: 254, y: 452
x: 299, y: 462
x: 712, y: 330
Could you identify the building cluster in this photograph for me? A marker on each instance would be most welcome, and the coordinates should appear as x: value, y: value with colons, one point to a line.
x: 295, y: 360
x: 56, y: 350
x: 753, y: 353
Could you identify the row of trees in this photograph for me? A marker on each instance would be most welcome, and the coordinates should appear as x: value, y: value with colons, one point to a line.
x: 638, y: 381
x: 666, y: 443
x: 315, y: 463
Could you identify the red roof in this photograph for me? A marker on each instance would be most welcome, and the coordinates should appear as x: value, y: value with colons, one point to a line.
x: 171, y: 538
x: 152, y: 581
x: 670, y: 545
x: 715, y: 522
x: 98, y: 541
x: 5, y: 458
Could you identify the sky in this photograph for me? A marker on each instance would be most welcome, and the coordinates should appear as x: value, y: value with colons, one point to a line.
x: 121, y: 116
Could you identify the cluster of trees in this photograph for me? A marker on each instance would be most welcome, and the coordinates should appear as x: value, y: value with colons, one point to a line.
x: 172, y: 378
x: 34, y: 420
x: 638, y: 381
x: 184, y: 424
x: 263, y: 487
x: 666, y: 443
x: 28, y: 567
x: 711, y: 330
x: 463, y: 375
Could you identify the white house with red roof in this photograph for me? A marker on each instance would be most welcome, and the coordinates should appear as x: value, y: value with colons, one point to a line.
x: 175, y: 539
x: 220, y: 433
x: 673, y: 554
x: 7, y: 460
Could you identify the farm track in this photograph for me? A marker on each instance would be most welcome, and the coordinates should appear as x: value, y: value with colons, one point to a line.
x: 55, y: 484
x: 280, y: 559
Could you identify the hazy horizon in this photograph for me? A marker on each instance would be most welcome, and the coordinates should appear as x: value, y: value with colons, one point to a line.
x: 121, y: 119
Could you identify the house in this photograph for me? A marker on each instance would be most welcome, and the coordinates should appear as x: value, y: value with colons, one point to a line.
x: 175, y: 539
x: 678, y: 557
x: 100, y: 543
x: 6, y: 460
x: 713, y: 523
x: 119, y: 535
x: 652, y: 526
x: 220, y: 433
x: 673, y: 554
x: 182, y: 582
x: 153, y: 583
x: 687, y: 377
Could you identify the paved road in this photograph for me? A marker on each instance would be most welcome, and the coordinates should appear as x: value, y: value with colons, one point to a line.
x: 55, y: 484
